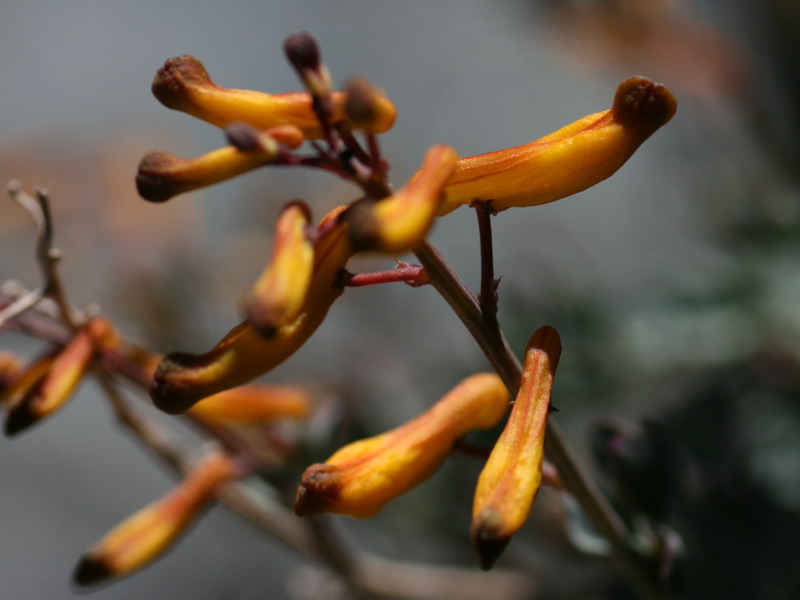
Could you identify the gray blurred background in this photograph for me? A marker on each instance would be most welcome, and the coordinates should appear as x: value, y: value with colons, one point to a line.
x: 667, y: 282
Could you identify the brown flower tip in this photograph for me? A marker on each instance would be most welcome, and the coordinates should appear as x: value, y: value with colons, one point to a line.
x: 151, y: 182
x: 91, y: 570
x: 643, y: 104
x: 302, y: 51
x: 320, y: 487
x: 246, y: 138
x: 489, y: 538
x: 163, y: 175
x: 363, y: 104
x: 175, y: 77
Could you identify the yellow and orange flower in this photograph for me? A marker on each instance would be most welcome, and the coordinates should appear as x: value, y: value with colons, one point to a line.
x: 360, y: 478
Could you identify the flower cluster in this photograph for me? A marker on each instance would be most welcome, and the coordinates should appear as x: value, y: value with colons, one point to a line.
x: 307, y: 271
x: 335, y: 131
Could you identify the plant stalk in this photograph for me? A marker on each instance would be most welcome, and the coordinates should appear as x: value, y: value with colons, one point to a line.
x: 494, y: 345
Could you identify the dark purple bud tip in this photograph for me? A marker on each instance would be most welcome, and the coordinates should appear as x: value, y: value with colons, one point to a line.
x: 152, y: 181
x: 90, y: 571
x: 364, y: 230
x: 489, y: 549
x: 243, y: 136
x: 643, y: 104
x: 171, y: 389
x: 361, y: 106
x: 302, y: 51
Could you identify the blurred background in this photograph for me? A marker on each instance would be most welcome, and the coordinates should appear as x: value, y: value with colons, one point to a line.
x: 675, y: 284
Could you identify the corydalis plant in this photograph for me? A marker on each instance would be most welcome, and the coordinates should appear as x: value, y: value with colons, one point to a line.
x: 308, y: 268
x: 337, y: 132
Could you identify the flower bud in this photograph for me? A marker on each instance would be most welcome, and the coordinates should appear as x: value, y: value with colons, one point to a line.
x: 510, y: 479
x: 254, y: 405
x: 146, y: 535
x: 400, y: 222
x: 303, y: 53
x: 53, y: 389
x: 363, y: 476
x: 183, y: 379
x: 163, y: 175
x: 363, y: 105
x: 567, y: 161
x: 279, y: 295
x: 184, y: 84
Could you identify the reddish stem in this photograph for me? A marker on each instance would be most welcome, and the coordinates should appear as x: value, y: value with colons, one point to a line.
x: 413, y: 275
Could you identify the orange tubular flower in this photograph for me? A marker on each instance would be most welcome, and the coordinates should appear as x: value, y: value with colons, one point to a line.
x: 163, y: 175
x: 183, y: 379
x: 184, y: 84
x: 568, y: 161
x: 47, y: 393
x: 400, y: 222
x: 146, y: 535
x: 363, y: 476
x: 279, y: 294
x: 510, y: 479
x: 10, y: 370
x: 254, y: 405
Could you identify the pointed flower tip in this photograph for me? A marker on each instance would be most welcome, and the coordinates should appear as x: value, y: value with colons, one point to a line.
x: 360, y: 478
x: 487, y: 537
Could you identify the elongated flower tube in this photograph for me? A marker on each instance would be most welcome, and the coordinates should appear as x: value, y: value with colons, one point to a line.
x: 359, y: 479
x: 510, y: 479
x: 254, y: 404
x: 146, y: 535
x: 54, y: 387
x: 184, y: 84
x: 400, y: 222
x: 278, y: 297
x: 567, y: 161
x: 183, y: 379
x: 163, y: 175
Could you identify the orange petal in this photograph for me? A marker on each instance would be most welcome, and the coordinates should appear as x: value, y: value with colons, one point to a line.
x: 510, y: 479
x: 183, y: 379
x: 279, y: 295
x: 51, y: 391
x: 567, y: 161
x: 363, y: 476
x: 254, y: 405
x: 400, y: 222
x: 184, y: 84
x: 146, y: 535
